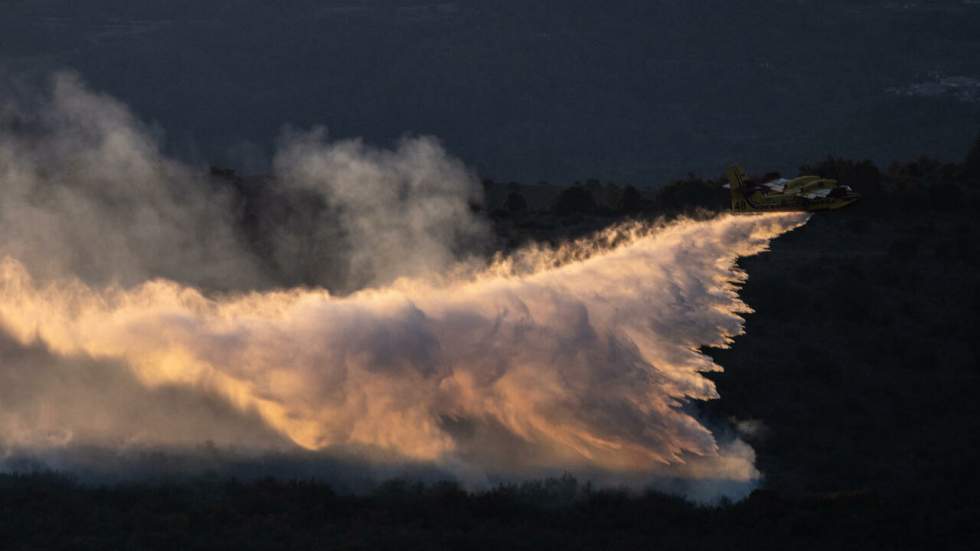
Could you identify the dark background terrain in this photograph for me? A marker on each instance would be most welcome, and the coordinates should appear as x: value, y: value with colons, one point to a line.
x: 860, y: 363
x: 638, y: 91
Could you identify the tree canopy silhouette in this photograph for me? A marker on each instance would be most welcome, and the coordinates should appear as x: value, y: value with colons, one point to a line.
x: 971, y: 165
x: 574, y: 200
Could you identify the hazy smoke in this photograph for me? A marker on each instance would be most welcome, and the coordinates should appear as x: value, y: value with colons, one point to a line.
x: 406, y: 212
x: 88, y: 193
x: 580, y: 358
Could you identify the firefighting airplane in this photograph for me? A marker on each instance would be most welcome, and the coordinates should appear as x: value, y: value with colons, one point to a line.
x: 806, y: 193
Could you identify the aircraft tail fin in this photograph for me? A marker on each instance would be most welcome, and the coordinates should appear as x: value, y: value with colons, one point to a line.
x: 736, y: 179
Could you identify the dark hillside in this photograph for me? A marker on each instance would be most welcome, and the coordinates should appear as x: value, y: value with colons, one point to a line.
x: 634, y: 89
x: 862, y: 358
x: 48, y: 512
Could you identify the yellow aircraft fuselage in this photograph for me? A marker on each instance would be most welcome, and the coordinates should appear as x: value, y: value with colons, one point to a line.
x: 806, y: 194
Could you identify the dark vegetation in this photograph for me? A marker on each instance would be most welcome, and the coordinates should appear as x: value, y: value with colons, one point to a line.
x: 861, y: 363
x: 48, y: 512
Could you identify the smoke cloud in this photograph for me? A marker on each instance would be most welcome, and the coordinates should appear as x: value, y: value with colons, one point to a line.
x: 88, y: 193
x: 406, y: 212
x: 138, y: 312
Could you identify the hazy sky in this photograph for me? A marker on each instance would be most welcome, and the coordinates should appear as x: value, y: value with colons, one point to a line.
x: 638, y: 91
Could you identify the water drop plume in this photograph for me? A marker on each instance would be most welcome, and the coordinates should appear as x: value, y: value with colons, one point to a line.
x: 144, y: 305
x: 583, y: 365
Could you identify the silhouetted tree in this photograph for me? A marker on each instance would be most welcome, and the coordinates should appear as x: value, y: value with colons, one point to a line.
x: 515, y: 202
x: 610, y: 196
x: 945, y: 196
x: 632, y: 200
x: 574, y: 200
x: 971, y: 166
x: 691, y: 193
x: 863, y: 176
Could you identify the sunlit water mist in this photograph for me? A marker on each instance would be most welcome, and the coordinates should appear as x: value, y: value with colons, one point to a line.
x: 145, y: 306
x: 577, y: 359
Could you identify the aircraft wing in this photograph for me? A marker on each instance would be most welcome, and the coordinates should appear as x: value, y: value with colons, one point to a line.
x: 818, y: 193
x: 777, y: 185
